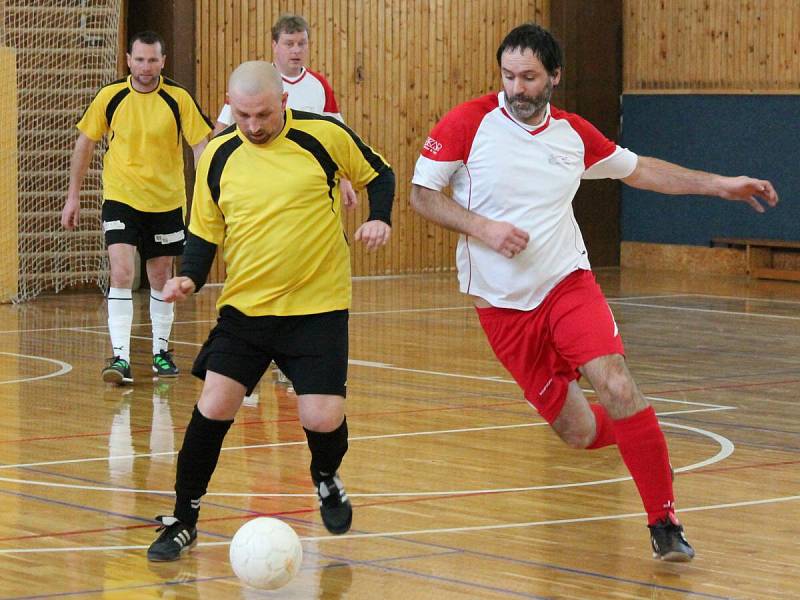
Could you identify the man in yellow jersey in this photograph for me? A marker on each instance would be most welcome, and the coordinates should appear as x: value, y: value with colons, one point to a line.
x: 308, y: 90
x: 267, y: 190
x: 144, y: 116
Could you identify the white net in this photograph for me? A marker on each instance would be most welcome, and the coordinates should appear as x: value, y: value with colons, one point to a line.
x: 66, y: 50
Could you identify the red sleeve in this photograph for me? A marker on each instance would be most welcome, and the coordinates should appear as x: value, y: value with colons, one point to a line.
x: 330, y: 99
x: 596, y: 145
x: 451, y: 138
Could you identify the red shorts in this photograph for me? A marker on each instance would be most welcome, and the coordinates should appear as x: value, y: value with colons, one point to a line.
x: 543, y: 348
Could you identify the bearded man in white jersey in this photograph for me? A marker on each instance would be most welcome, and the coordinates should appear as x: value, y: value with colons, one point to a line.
x: 514, y: 163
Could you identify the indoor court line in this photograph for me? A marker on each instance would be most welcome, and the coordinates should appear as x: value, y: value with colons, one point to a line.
x: 624, y: 300
x: 469, y: 529
x: 706, y: 310
x: 302, y: 442
x: 65, y: 368
x: 726, y: 449
x: 742, y: 298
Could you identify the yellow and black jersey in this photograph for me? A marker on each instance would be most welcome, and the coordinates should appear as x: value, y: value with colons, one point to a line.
x: 143, y: 166
x: 275, y: 209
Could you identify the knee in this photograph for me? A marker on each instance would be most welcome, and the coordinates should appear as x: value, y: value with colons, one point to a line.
x: 617, y: 386
x: 577, y: 438
x: 121, y: 276
x: 322, y: 422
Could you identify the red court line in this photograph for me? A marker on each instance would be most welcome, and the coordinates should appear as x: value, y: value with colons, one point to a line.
x: 705, y: 470
x: 726, y: 386
x: 301, y: 511
x: 266, y: 421
x: 253, y: 515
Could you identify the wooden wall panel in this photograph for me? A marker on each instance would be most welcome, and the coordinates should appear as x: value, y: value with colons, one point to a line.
x: 712, y: 46
x: 396, y: 66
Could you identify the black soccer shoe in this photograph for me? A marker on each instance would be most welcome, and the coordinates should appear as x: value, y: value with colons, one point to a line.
x: 164, y: 365
x: 334, y: 506
x: 668, y: 541
x: 175, y: 539
x: 118, y: 371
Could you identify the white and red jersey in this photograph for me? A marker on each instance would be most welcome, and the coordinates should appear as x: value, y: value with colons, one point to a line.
x: 309, y: 91
x: 505, y: 170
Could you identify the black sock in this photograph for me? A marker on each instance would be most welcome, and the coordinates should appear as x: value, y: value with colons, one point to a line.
x: 197, y: 460
x: 327, y: 450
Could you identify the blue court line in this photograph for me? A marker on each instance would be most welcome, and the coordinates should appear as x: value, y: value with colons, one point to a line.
x: 403, y: 539
x: 117, y: 589
x: 246, y: 511
x: 543, y: 565
x: 375, y: 562
x: 694, y: 419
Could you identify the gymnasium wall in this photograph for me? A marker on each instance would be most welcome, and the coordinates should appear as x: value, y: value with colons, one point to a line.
x: 712, y: 85
x: 396, y: 68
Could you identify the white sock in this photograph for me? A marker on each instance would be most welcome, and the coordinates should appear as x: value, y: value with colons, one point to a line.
x: 120, y: 445
x: 120, y: 319
x: 161, y: 316
x: 162, y: 435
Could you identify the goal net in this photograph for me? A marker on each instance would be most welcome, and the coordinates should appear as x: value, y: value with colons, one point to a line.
x: 65, y: 50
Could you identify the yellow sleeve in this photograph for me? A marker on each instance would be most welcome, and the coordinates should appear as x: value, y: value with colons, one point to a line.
x: 93, y: 122
x: 357, y: 161
x: 194, y: 123
x: 207, y: 220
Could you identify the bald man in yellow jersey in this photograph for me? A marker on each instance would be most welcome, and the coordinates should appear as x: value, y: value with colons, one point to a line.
x: 145, y: 116
x: 267, y: 189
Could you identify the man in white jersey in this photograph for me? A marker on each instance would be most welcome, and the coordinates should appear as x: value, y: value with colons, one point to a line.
x: 514, y: 163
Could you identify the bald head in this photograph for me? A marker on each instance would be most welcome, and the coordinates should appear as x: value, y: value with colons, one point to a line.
x: 255, y: 77
x: 257, y: 99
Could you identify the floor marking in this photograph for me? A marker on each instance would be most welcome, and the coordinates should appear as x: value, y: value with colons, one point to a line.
x: 356, y: 536
x: 726, y: 449
x: 707, y: 310
x: 64, y: 368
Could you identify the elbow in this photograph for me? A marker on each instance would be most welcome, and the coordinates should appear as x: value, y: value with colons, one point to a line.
x: 415, y: 199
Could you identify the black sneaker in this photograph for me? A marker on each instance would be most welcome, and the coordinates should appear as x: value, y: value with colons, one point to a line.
x: 163, y: 365
x: 334, y: 506
x: 175, y: 539
x: 118, y: 371
x: 668, y: 541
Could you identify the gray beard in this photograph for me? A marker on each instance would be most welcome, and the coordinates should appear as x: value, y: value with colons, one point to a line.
x: 524, y: 109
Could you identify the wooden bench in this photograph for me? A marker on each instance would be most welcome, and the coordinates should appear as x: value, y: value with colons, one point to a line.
x: 759, y: 256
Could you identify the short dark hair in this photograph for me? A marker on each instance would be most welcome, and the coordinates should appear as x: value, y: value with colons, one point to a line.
x: 149, y: 38
x: 539, y: 40
x: 288, y: 24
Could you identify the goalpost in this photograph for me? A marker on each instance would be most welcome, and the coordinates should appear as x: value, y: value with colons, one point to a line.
x: 65, y: 51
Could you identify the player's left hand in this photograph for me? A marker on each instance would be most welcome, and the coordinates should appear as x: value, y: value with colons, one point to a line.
x: 749, y: 190
x: 349, y: 196
x: 374, y: 234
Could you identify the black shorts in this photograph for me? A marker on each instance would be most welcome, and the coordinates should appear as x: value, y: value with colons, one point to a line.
x: 310, y: 349
x: 153, y: 233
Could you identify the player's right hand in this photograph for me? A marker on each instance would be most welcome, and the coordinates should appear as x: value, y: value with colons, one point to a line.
x: 71, y: 214
x: 177, y: 288
x: 505, y: 238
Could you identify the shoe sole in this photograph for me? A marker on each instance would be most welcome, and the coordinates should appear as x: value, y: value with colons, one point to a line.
x: 674, y: 557
x: 339, y: 530
x: 164, y: 374
x: 181, y: 553
x: 112, y: 376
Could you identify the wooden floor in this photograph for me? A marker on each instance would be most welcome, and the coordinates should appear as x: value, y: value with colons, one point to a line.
x: 459, y: 490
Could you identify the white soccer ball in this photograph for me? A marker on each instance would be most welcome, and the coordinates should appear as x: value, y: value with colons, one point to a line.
x: 266, y: 553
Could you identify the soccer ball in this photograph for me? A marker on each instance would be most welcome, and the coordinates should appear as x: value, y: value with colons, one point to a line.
x: 266, y: 553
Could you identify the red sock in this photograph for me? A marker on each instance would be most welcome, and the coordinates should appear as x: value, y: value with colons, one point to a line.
x: 605, y: 428
x: 644, y: 450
